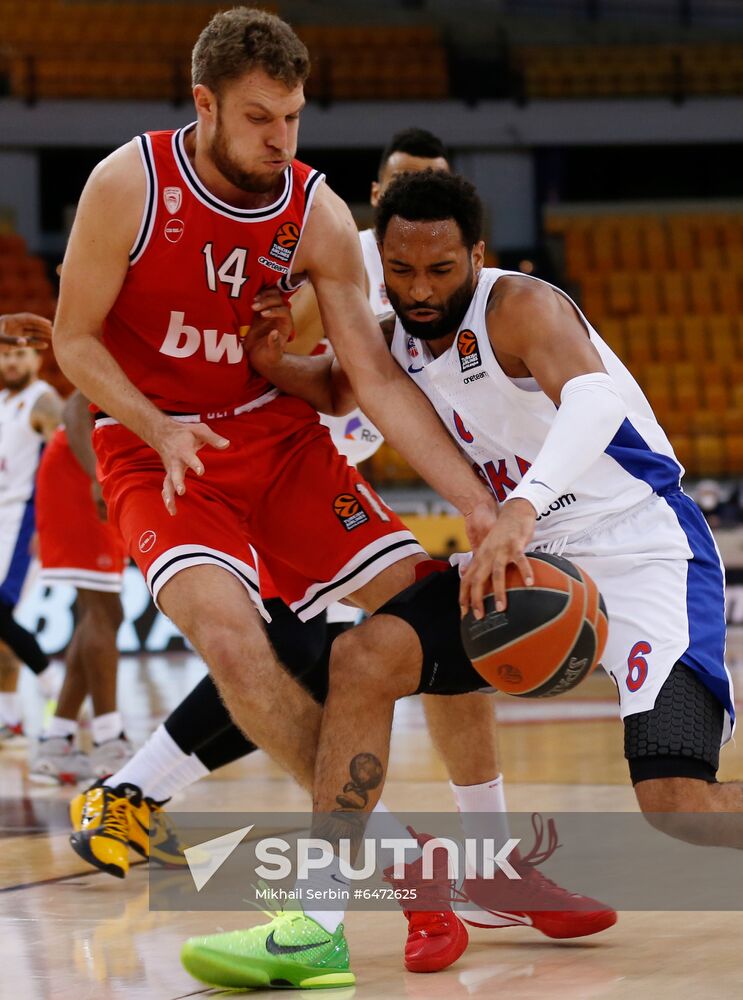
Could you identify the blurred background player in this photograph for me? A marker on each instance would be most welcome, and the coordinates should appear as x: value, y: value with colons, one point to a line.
x: 79, y: 548
x: 30, y: 410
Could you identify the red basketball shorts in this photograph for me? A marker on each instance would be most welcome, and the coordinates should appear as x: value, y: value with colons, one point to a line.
x: 280, y: 492
x: 75, y: 546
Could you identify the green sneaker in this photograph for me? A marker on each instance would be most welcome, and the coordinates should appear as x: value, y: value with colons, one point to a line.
x: 291, y: 950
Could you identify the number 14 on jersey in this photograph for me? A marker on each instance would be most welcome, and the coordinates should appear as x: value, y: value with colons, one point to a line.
x: 231, y: 271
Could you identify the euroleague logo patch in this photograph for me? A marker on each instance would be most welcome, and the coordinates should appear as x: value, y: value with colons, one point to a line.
x: 349, y: 511
x: 146, y: 540
x: 284, y: 242
x: 469, y: 354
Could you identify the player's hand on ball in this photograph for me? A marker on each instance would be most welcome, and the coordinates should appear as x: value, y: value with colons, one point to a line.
x: 25, y: 330
x: 504, y: 544
x: 178, y: 446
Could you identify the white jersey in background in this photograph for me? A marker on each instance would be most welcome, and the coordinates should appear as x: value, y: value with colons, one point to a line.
x: 354, y: 435
x: 20, y: 444
x: 374, y: 272
x: 20, y: 450
x: 501, y: 423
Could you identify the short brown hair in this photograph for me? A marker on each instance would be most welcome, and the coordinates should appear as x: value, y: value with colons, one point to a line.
x: 237, y: 41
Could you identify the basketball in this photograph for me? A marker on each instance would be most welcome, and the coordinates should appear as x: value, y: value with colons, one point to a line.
x: 549, y: 638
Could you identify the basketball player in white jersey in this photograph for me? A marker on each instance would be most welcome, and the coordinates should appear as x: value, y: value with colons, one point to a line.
x: 30, y: 410
x: 571, y: 449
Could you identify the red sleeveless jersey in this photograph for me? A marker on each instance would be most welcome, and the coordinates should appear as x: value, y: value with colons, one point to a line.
x: 195, y: 268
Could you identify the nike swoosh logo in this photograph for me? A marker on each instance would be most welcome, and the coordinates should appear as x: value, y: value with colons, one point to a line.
x: 339, y: 880
x: 538, y: 482
x: 414, y: 371
x: 274, y: 948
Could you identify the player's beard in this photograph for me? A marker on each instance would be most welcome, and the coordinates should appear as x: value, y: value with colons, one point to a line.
x: 220, y: 154
x: 451, y: 313
x: 17, y: 384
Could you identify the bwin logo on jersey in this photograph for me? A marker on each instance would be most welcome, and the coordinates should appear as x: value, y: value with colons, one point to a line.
x: 469, y: 354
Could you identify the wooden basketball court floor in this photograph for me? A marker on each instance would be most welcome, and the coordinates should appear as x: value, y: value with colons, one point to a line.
x: 70, y: 933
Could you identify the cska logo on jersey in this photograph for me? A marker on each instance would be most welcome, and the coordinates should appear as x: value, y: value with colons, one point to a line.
x: 469, y: 354
x: 172, y: 196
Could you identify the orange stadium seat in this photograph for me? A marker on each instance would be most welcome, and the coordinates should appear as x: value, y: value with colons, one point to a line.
x: 639, y: 340
x: 682, y: 446
x: 734, y: 454
x: 694, y: 338
x: 708, y: 455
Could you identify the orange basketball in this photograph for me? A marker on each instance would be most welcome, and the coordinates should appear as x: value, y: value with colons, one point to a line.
x: 550, y: 636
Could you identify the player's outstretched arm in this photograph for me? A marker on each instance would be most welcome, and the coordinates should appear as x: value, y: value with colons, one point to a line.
x: 94, y: 268
x: 25, y: 330
x: 331, y: 255
x: 535, y: 331
x: 46, y: 414
x: 78, y: 424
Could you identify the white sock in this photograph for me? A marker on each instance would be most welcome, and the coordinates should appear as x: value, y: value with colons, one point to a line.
x: 187, y: 772
x: 483, y: 811
x: 159, y: 756
x: 106, y: 727
x: 57, y: 727
x: 326, y: 881
x: 49, y: 681
x: 383, y: 823
x: 10, y: 708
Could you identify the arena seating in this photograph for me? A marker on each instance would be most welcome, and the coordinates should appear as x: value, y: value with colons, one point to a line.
x: 135, y: 50
x: 621, y: 70
x: 666, y: 292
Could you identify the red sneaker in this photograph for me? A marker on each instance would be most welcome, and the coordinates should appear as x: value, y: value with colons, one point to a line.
x: 436, y: 935
x: 534, y: 900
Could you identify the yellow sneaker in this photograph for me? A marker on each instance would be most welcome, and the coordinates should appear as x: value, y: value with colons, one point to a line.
x: 102, y: 822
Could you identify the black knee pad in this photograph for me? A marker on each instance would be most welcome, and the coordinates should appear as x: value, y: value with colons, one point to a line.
x: 431, y: 607
x: 298, y: 645
x: 680, y: 736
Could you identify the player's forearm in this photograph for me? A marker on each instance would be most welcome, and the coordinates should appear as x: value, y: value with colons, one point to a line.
x: 78, y: 426
x: 312, y: 379
x: 90, y: 367
x: 410, y: 424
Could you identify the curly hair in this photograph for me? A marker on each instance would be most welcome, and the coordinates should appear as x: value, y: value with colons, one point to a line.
x: 431, y: 196
x: 237, y: 41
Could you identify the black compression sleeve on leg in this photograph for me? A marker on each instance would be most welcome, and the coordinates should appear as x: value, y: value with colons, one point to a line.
x: 679, y: 737
x: 200, y: 717
x: 223, y: 749
x: 21, y: 641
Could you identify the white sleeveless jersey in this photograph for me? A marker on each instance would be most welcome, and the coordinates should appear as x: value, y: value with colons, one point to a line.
x: 20, y: 444
x: 354, y: 435
x: 501, y: 426
x: 373, y: 263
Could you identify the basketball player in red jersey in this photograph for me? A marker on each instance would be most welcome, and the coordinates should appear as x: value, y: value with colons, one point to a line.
x: 79, y: 548
x: 175, y: 237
